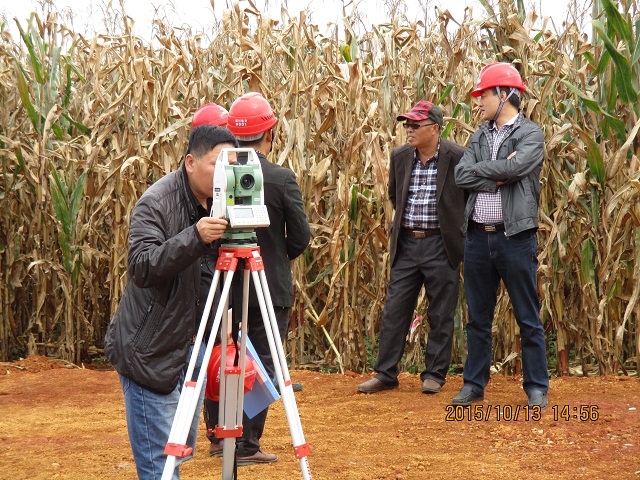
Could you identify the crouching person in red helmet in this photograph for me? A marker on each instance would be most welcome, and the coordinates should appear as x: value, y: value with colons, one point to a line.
x: 252, y: 120
x: 150, y: 337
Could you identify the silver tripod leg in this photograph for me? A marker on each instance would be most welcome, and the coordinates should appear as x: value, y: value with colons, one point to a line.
x: 300, y: 447
x: 231, y: 404
x: 188, y: 403
x: 232, y: 381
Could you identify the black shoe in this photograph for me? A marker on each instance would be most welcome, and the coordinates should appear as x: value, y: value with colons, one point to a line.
x: 295, y: 386
x: 467, y: 396
x: 537, y: 399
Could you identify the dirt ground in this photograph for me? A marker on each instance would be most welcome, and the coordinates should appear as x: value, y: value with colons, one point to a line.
x: 68, y: 423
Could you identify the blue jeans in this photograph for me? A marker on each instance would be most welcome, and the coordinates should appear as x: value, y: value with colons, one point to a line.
x: 149, y: 419
x: 488, y: 258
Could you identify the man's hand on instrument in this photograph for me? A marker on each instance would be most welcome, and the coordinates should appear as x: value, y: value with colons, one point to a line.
x: 211, y: 228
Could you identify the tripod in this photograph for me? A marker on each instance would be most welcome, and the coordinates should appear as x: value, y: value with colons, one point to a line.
x: 232, y: 378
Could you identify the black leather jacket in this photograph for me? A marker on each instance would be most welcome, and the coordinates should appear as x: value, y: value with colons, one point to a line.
x: 149, y: 336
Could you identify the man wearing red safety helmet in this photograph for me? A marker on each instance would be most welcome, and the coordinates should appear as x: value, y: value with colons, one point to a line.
x: 251, y: 120
x: 501, y: 171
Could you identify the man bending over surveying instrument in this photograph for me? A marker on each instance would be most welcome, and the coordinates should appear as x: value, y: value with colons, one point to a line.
x: 150, y: 337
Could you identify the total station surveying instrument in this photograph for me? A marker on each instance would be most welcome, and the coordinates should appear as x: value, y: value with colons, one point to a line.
x: 237, y: 195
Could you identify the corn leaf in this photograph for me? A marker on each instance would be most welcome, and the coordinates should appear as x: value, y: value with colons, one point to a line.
x: 587, y: 100
x: 623, y: 76
x: 23, y: 89
x: 445, y: 94
x: 35, y: 62
x: 616, y: 22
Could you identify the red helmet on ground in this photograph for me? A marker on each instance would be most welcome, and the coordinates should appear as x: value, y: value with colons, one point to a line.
x: 498, y: 75
x: 210, y: 114
x: 212, y: 390
x: 250, y: 115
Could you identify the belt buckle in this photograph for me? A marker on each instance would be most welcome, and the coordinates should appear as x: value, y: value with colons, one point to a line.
x: 489, y: 228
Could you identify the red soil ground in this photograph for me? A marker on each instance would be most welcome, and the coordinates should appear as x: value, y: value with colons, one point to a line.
x: 68, y: 423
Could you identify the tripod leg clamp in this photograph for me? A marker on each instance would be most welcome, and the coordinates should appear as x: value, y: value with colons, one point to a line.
x: 302, y: 450
x: 221, y: 432
x: 179, y: 451
x: 255, y: 264
x: 226, y: 262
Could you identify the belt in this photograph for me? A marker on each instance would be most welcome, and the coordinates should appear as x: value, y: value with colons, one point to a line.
x: 420, y: 233
x: 488, y: 227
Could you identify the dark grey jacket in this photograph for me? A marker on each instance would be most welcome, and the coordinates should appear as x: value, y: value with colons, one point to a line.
x: 450, y: 199
x: 149, y: 336
x: 520, y: 194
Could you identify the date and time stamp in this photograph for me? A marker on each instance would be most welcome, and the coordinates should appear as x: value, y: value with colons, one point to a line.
x: 512, y: 413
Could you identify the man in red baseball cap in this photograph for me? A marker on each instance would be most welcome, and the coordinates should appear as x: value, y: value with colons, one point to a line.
x: 424, y: 110
x: 425, y: 249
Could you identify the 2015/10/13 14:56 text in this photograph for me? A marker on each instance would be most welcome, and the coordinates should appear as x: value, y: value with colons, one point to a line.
x: 513, y: 413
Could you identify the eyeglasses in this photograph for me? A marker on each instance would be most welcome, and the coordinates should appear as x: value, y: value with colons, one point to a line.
x: 416, y: 126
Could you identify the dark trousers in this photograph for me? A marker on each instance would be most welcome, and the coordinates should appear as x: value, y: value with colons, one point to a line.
x: 488, y: 258
x: 249, y: 443
x: 418, y: 262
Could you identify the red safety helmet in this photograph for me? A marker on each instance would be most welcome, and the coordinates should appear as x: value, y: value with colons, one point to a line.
x: 250, y: 115
x: 212, y: 390
x: 210, y: 114
x: 498, y: 74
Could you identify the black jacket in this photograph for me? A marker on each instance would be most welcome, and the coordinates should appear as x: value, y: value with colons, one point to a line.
x: 149, y: 336
x: 450, y: 198
x: 285, y: 238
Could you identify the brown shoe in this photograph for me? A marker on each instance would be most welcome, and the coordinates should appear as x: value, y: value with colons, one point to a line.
x: 430, y: 386
x: 374, y: 385
x: 215, y: 449
x: 258, y: 457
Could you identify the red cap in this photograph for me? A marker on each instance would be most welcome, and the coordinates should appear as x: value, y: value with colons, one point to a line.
x: 424, y: 110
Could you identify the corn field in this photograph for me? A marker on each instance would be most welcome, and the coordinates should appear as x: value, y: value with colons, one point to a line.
x: 87, y: 124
